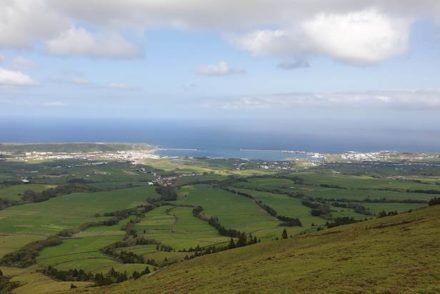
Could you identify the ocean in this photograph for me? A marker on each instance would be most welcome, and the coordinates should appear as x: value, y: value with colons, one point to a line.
x: 214, y: 139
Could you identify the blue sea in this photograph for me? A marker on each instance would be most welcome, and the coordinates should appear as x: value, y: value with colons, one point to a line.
x: 216, y: 139
x: 270, y: 155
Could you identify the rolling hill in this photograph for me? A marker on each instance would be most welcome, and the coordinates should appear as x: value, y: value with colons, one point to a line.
x: 396, y: 254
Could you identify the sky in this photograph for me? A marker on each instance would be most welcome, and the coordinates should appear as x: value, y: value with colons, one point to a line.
x: 320, y: 64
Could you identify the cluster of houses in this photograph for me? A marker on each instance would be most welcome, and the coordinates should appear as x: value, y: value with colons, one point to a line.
x: 130, y: 155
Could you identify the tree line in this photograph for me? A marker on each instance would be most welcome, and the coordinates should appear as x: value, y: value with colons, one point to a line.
x: 32, y: 196
x: 339, y: 221
x: 434, y: 201
x: 112, y: 276
x: 6, y: 286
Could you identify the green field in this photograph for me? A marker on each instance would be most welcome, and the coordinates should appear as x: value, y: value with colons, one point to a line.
x: 233, y: 211
x: 373, y: 193
x: 399, y: 207
x: 82, y: 251
x: 286, y: 206
x: 267, y: 183
x: 16, y: 192
x: 13, y: 241
x: 33, y: 281
x: 399, y: 254
x: 178, y: 228
x: 162, y: 258
x: 40, y: 220
x: 361, y: 182
x: 344, y: 259
x: 313, y: 189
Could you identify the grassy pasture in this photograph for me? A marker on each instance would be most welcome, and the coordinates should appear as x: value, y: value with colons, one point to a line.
x: 47, y: 218
x: 69, y: 211
x: 16, y: 192
x: 11, y: 242
x: 107, y: 174
x: 399, y: 207
x: 184, y: 165
x: 334, y: 193
x: 178, y: 228
x: 362, y: 182
x: 358, y: 191
x: 399, y: 254
x: 82, y: 251
x: 233, y: 211
x: 346, y: 212
x: 59, y: 172
x: 32, y: 281
x: 286, y: 206
x: 266, y: 182
x: 150, y: 252
x: 356, y: 187
x: 191, y: 179
x: 356, y: 194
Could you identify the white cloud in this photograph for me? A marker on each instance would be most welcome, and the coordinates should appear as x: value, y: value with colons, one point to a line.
x: 228, y: 15
x: 219, y: 69
x: 78, y: 41
x: 355, y: 31
x: 395, y: 100
x: 363, y: 37
x: 366, y: 36
x: 24, y: 22
x: 11, y: 78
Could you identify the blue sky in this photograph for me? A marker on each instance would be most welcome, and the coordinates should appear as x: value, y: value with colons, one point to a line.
x: 368, y: 60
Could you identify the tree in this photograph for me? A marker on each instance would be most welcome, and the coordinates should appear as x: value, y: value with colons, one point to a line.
x: 136, y: 275
x: 434, y: 201
x: 284, y: 234
x: 231, y: 243
x: 146, y: 271
x: 242, y: 240
x: 383, y: 213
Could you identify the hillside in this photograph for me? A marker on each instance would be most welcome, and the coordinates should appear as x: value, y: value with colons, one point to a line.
x: 394, y: 254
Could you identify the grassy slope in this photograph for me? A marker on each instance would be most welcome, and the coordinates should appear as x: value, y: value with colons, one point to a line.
x: 150, y: 252
x: 68, y: 211
x: 233, y: 211
x: 34, y: 282
x: 39, y: 220
x: 16, y: 192
x: 83, y: 251
x: 177, y: 227
x: 286, y: 206
x: 355, y: 187
x: 362, y: 182
x: 399, y: 254
x: 400, y: 207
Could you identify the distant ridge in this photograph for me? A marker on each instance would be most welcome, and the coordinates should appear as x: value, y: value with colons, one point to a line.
x: 73, y: 147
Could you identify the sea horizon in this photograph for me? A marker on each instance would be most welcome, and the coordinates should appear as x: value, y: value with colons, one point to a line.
x: 216, y: 139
